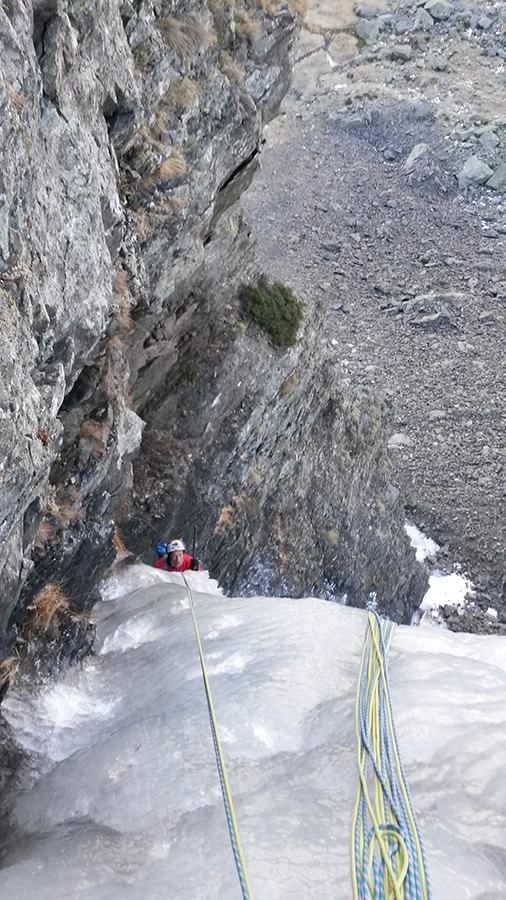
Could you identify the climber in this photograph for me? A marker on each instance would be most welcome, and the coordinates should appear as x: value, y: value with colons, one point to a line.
x: 175, y: 559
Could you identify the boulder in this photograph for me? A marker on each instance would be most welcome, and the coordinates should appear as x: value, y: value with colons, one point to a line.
x: 439, y: 9
x: 367, y: 10
x: 401, y: 52
x: 423, y: 20
x: 498, y: 180
x: 474, y: 171
x: 368, y: 30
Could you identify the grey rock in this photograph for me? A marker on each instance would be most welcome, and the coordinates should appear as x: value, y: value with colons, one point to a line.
x: 417, y: 152
x: 368, y: 30
x: 423, y: 20
x: 474, y: 171
x: 367, y: 10
x: 433, y: 311
x: 401, y: 52
x: 399, y: 441
x: 439, y: 9
x: 68, y: 345
x: 420, y: 110
x: 498, y: 180
x: 489, y: 141
x: 485, y: 22
x: 437, y: 62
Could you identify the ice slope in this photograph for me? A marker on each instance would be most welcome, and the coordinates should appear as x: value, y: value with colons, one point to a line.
x: 127, y: 804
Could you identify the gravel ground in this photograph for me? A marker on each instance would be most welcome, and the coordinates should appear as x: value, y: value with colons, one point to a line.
x: 359, y: 204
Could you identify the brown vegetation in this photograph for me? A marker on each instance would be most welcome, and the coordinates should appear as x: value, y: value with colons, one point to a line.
x: 121, y: 282
x: 188, y: 36
x: 233, y: 71
x: 174, y: 165
x: 48, y: 605
x: 299, y: 6
x: 67, y: 509
x: 230, y: 514
x: 93, y: 429
x: 17, y: 98
x: 289, y: 385
x: 182, y: 94
x: 8, y: 669
x: 122, y: 302
x: 246, y: 25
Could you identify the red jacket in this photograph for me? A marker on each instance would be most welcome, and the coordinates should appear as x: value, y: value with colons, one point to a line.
x: 163, y: 564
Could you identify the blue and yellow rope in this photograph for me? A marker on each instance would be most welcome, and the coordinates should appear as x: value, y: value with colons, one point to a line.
x: 387, y: 858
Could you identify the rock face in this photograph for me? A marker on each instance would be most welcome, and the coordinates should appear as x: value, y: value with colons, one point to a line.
x: 283, y: 470
x: 128, y: 133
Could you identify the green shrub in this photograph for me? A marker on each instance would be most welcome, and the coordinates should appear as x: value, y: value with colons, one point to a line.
x: 275, y: 307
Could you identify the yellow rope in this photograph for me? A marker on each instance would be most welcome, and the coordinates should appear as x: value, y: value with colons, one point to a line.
x: 220, y: 761
x: 382, y: 864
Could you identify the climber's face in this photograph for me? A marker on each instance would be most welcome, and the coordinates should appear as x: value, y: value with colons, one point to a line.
x: 176, y: 559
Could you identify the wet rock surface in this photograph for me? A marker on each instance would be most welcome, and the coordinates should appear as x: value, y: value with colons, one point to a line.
x: 379, y: 188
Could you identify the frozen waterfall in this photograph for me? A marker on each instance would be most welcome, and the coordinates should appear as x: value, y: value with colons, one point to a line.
x: 126, y: 804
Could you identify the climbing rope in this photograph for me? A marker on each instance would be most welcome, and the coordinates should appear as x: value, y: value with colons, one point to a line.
x: 220, y: 762
x: 387, y: 856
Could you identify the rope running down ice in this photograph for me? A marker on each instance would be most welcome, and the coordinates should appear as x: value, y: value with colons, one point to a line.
x: 387, y: 856
x: 220, y: 762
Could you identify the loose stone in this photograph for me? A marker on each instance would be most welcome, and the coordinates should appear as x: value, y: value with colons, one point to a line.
x: 439, y: 9
x: 401, y: 52
x: 474, y: 171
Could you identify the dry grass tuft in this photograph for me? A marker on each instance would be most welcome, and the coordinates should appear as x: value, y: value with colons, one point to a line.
x: 233, y: 71
x: 93, y: 429
x: 177, y: 204
x: 174, y: 165
x: 121, y: 308
x: 226, y: 520
x: 65, y: 509
x: 48, y: 605
x: 121, y: 282
x: 188, y: 36
x: 246, y: 25
x: 267, y: 5
x: 141, y: 223
x: 8, y: 669
x: 182, y: 94
x: 122, y: 302
x: 230, y: 514
x: 118, y: 543
x: 17, y: 98
x: 299, y: 6
x: 44, y: 534
x: 219, y: 6
x: 289, y: 385
x: 160, y: 124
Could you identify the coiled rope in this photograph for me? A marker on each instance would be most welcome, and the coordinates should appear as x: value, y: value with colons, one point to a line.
x: 387, y: 856
x: 220, y: 762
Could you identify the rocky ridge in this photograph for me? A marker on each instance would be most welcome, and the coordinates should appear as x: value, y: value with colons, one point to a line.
x: 385, y: 177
